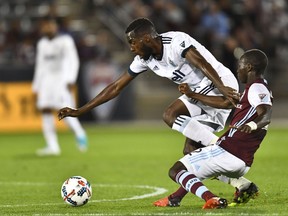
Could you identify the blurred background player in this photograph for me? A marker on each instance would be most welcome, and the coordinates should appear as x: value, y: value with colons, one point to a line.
x: 182, y: 59
x: 233, y: 154
x: 56, y: 71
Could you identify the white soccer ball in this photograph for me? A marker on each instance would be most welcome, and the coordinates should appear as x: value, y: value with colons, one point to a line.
x: 76, y: 191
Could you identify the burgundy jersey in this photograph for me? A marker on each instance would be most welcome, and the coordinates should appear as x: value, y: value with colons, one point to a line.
x: 240, y: 144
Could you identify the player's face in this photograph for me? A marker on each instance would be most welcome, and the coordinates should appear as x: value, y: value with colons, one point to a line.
x: 138, y: 47
x: 242, y: 71
x: 49, y: 28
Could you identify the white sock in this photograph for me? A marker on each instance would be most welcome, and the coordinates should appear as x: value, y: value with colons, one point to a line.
x: 49, y: 131
x: 194, y: 130
x: 240, y: 183
x: 75, y: 125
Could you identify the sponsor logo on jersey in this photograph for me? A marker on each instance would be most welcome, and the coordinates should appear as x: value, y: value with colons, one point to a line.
x: 178, y: 75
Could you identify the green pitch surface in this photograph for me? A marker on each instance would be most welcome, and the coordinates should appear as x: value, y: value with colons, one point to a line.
x: 127, y: 166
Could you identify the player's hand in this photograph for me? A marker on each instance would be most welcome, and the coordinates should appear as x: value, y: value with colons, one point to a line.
x: 243, y: 128
x: 230, y: 93
x: 184, y: 89
x: 66, y: 111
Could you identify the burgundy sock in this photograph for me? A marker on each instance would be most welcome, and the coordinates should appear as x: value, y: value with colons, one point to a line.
x: 180, y: 193
x: 207, y: 195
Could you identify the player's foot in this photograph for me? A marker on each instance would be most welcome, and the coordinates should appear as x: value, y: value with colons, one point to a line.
x: 82, y: 143
x: 243, y: 196
x: 215, y: 202
x: 47, y: 152
x: 167, y: 202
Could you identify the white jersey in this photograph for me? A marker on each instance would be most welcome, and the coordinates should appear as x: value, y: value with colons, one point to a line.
x: 57, y: 65
x: 174, y: 65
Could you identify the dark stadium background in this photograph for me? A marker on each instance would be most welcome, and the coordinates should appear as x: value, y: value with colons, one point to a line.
x: 225, y: 27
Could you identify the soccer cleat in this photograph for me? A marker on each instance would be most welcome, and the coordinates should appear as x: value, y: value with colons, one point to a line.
x: 47, y: 152
x: 245, y: 195
x: 167, y: 202
x: 215, y: 202
x: 82, y: 143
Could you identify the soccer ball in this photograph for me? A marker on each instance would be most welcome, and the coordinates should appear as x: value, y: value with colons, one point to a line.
x: 76, y: 191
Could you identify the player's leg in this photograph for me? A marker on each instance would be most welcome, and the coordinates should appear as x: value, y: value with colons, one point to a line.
x: 245, y: 189
x: 193, y: 184
x: 210, y: 160
x: 50, y: 135
x: 79, y: 132
x: 178, y: 108
x: 181, y: 116
x: 74, y: 123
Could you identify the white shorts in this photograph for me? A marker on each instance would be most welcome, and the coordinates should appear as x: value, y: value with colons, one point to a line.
x: 213, y: 161
x: 209, y: 116
x: 55, y: 98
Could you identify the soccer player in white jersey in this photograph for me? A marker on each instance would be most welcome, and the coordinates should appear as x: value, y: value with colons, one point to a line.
x: 180, y: 58
x: 56, y: 71
x: 233, y: 154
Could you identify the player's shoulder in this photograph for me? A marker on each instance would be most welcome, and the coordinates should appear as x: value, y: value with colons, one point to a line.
x: 64, y: 37
x: 259, y: 83
x: 177, y: 39
x: 175, y: 35
x: 259, y: 86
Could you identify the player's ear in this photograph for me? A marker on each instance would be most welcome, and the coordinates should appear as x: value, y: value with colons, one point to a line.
x: 147, y: 38
x: 249, y: 67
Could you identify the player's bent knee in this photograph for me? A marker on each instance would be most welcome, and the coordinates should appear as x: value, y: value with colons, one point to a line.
x: 169, y: 117
x: 172, y: 173
x: 175, y: 169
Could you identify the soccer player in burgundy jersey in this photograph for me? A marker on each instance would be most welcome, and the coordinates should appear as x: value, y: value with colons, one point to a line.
x: 234, y: 151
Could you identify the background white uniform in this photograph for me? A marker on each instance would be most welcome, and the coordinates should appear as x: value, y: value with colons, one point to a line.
x: 175, y: 67
x: 57, y: 65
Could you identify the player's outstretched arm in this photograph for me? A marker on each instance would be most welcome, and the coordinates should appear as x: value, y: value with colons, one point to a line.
x: 110, y: 92
x: 219, y: 102
x: 195, y: 58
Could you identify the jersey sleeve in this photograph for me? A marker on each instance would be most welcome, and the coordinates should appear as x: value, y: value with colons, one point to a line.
x: 38, y: 68
x: 258, y: 94
x: 137, y: 66
x: 71, y: 67
x: 182, y: 43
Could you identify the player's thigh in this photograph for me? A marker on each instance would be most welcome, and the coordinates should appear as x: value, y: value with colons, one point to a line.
x: 175, y: 109
x: 192, y: 108
x: 213, y: 161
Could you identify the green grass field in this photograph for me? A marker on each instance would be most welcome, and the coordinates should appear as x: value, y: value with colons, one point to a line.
x: 127, y: 166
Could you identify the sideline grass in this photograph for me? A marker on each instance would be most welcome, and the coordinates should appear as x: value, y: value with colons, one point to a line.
x: 120, y: 159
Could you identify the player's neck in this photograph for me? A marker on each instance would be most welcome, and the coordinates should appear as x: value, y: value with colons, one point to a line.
x: 158, y: 49
x: 253, y: 76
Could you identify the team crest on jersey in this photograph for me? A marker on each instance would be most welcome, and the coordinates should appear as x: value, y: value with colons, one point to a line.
x: 262, y: 96
x: 182, y: 44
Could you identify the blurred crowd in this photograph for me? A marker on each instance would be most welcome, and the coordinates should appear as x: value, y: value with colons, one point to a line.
x: 225, y: 27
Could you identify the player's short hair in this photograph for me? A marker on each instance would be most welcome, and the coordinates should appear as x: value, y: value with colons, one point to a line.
x: 141, y: 26
x: 257, y: 59
x: 49, y: 18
